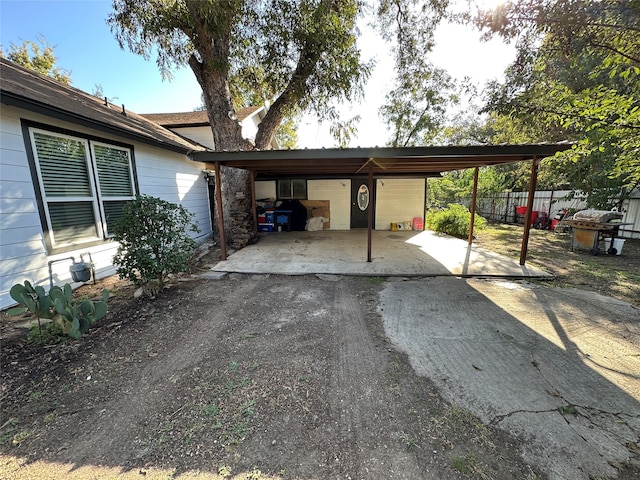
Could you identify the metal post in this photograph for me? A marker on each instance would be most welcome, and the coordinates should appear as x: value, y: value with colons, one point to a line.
x: 370, y: 212
x: 223, y: 239
x: 473, y: 204
x: 253, y: 200
x: 527, y: 218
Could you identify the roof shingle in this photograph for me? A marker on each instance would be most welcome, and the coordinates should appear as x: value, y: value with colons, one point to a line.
x: 30, y: 90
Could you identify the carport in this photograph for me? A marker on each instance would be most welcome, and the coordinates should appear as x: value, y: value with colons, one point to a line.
x: 379, y: 162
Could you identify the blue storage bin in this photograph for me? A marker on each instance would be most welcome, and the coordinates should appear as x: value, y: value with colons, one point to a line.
x: 265, y: 227
x: 270, y: 216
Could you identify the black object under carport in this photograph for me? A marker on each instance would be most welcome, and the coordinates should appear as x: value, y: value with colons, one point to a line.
x: 298, y: 216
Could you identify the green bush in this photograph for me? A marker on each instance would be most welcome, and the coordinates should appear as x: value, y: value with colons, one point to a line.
x: 454, y: 221
x: 153, y: 241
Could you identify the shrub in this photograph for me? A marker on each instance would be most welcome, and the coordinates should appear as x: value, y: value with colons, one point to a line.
x: 153, y: 241
x: 454, y: 221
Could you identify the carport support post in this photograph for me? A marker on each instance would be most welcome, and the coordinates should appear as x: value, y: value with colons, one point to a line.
x: 370, y: 212
x: 223, y: 240
x: 473, y: 204
x: 527, y: 218
x: 253, y: 200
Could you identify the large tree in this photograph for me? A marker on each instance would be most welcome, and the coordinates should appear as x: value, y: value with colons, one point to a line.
x: 294, y: 55
x: 416, y: 105
x: 577, y: 72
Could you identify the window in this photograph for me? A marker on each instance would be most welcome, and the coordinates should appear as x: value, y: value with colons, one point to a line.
x: 290, y: 189
x: 84, y: 185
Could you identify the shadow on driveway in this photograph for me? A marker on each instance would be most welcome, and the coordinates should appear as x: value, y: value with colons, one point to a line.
x: 558, y: 367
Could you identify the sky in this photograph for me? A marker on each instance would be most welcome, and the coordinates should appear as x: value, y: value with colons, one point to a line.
x: 85, y: 46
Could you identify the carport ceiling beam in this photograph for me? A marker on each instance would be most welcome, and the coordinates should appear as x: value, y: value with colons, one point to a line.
x: 369, y: 163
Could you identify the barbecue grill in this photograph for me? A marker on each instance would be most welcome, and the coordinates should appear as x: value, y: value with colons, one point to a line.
x: 591, y: 226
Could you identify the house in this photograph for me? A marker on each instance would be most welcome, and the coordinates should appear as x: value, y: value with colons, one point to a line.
x: 195, y: 125
x: 397, y: 200
x: 68, y: 162
x: 345, y: 200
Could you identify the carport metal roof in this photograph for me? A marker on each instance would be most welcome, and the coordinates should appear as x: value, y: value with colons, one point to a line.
x: 381, y: 162
x: 384, y: 161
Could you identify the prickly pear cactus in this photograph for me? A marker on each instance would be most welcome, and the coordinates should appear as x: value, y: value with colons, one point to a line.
x: 58, y: 305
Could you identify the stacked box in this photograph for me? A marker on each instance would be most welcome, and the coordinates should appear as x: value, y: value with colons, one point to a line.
x: 395, y: 226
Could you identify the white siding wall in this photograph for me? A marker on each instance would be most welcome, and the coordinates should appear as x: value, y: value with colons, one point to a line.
x: 250, y: 127
x: 631, y: 210
x: 398, y: 200
x: 170, y: 176
x: 202, y: 135
x: 266, y: 189
x: 338, y: 192
x: 174, y: 178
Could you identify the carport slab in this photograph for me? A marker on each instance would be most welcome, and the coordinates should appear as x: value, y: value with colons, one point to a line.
x: 557, y: 367
x: 344, y: 252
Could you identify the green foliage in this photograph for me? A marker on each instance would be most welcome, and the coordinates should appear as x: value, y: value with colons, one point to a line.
x: 47, y: 334
x: 73, y: 318
x: 153, y: 241
x: 454, y: 221
x: 415, y: 109
x: 287, y: 134
x: 37, y: 56
x: 455, y: 186
x: 294, y: 55
x: 416, y: 105
x: 344, y: 131
x: 30, y: 299
x: 577, y: 74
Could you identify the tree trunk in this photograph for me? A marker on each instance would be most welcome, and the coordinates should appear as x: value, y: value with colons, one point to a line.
x: 227, y: 136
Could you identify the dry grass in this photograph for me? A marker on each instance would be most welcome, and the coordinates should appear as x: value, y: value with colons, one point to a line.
x: 616, y: 276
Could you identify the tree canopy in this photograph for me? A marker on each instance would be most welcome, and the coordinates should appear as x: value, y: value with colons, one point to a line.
x: 39, y: 57
x: 293, y: 54
x: 415, y: 107
x: 576, y: 75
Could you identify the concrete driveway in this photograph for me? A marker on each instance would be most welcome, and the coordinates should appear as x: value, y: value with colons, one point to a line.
x: 344, y: 252
x: 559, y: 368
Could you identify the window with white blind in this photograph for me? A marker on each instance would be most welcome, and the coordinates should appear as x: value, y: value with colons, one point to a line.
x: 84, y: 186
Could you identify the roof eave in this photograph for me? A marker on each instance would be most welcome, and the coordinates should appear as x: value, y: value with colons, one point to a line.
x: 530, y: 151
x: 18, y: 101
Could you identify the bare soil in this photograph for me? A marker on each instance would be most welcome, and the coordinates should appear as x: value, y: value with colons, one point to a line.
x: 248, y: 377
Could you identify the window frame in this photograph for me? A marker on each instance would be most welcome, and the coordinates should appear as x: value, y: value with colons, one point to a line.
x: 97, y: 200
x: 116, y: 198
x: 292, y: 195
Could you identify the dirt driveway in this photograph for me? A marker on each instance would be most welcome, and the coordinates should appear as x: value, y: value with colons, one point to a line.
x: 251, y: 377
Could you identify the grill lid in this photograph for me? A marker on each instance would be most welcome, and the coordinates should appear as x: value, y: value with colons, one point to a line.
x: 600, y: 216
